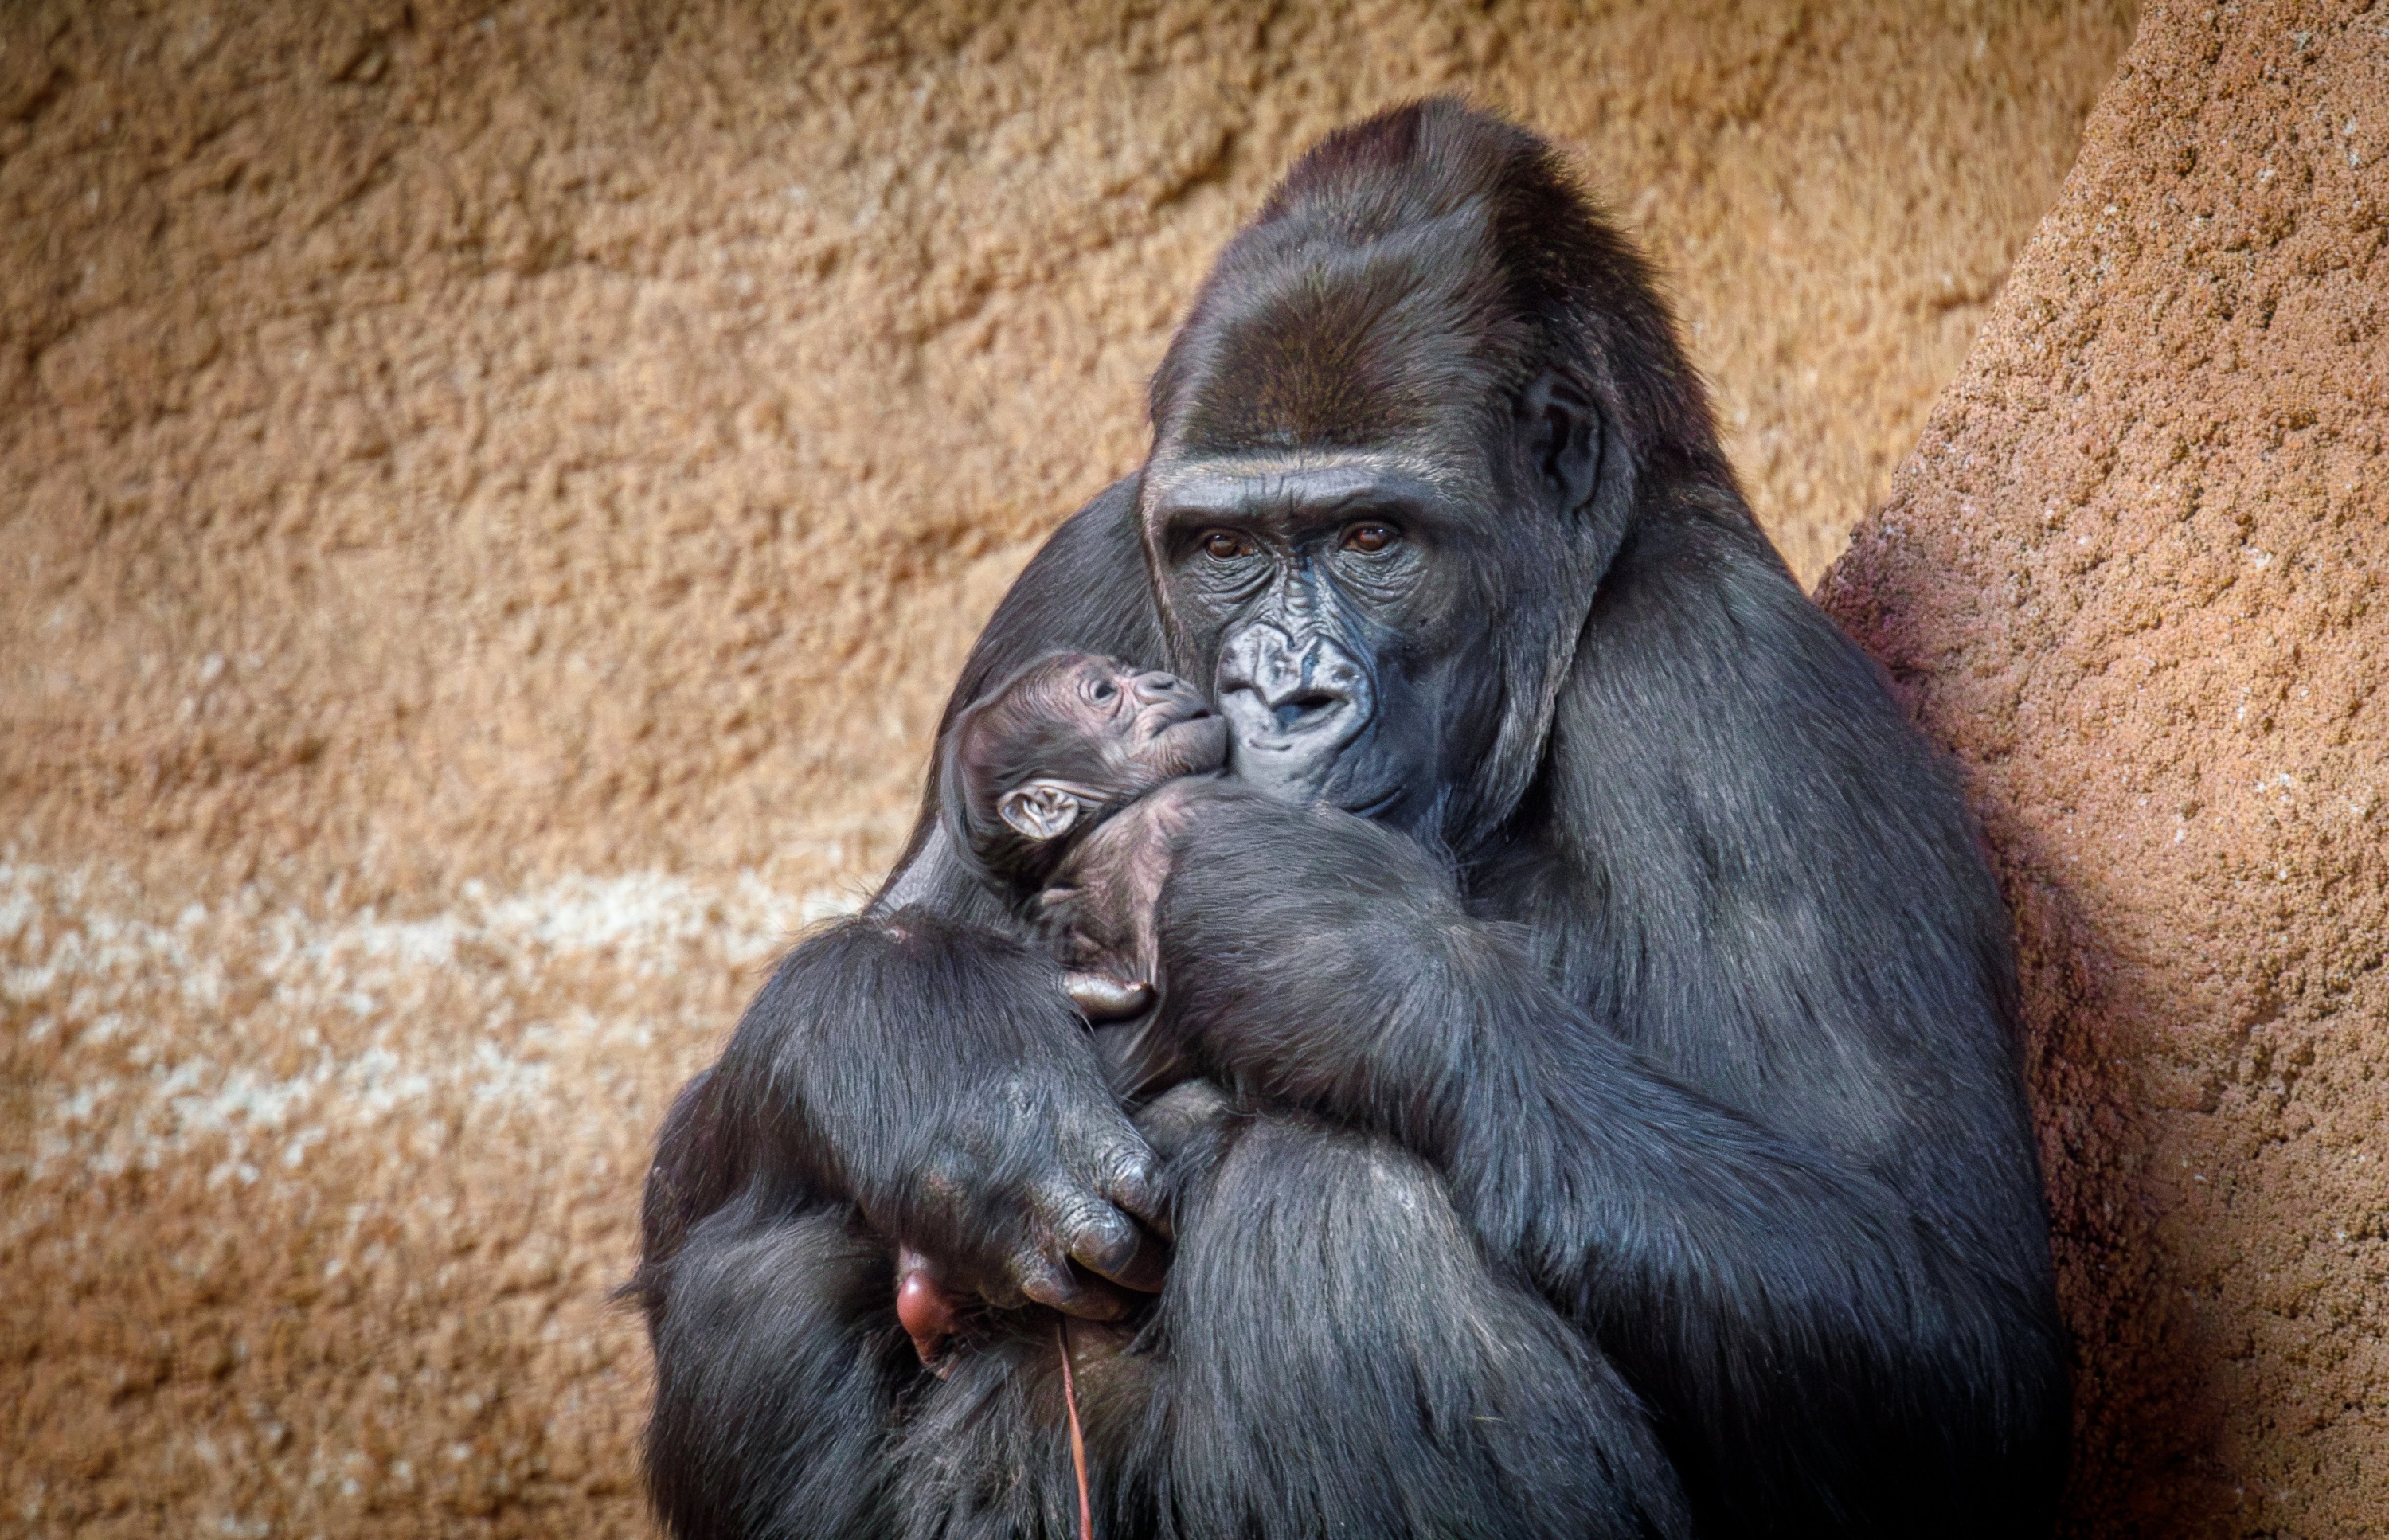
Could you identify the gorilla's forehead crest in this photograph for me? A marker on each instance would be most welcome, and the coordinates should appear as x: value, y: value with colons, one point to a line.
x: 1433, y: 257
x: 1337, y: 345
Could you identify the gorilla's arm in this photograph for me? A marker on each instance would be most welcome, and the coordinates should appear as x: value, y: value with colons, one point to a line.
x: 1320, y: 961
x: 919, y: 1063
x: 1784, y: 1174
x: 932, y: 1073
x: 1752, y: 1287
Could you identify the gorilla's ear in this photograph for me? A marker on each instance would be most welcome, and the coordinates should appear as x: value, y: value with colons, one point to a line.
x: 1561, y: 430
x: 1041, y: 809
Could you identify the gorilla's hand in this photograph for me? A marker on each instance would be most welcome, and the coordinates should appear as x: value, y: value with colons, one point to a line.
x: 934, y: 1073
x: 1033, y: 1190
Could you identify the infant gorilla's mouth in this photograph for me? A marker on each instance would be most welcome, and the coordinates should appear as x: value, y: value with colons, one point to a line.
x: 1167, y: 714
x: 1197, y: 741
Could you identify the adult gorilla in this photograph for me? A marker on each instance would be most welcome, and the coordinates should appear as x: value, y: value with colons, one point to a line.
x: 1656, y: 1163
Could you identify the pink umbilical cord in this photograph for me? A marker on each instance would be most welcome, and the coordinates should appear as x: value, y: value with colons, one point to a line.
x: 1077, y: 1440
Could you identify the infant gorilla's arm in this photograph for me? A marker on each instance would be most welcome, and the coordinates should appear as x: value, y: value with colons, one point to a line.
x: 1103, y: 898
x: 1103, y: 906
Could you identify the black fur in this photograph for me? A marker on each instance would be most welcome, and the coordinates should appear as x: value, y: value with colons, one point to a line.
x: 1650, y: 1158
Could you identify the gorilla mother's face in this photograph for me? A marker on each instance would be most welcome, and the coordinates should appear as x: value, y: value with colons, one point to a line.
x: 1333, y: 600
x: 1368, y: 515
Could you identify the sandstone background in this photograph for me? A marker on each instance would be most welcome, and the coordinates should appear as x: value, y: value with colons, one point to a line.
x: 491, y: 499
x: 2134, y: 573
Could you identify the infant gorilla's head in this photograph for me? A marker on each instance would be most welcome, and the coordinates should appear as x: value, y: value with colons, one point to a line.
x: 1036, y: 763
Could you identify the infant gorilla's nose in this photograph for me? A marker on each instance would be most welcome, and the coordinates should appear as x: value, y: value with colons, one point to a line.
x: 1155, y: 688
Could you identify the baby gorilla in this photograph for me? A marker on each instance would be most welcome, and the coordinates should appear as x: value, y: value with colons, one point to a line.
x: 1036, y: 772
x: 1064, y: 788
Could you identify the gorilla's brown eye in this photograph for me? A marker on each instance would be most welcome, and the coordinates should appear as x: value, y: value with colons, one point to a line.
x: 1104, y: 690
x: 1370, y: 539
x: 1223, y: 546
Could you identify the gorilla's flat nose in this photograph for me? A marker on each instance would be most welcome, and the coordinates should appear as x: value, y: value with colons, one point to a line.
x: 1293, y: 704
x: 1299, y: 686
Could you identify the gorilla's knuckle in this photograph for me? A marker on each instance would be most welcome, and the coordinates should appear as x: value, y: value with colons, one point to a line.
x: 1103, y: 1238
x: 1117, y: 1152
x: 1069, y: 1211
x: 1041, y: 1277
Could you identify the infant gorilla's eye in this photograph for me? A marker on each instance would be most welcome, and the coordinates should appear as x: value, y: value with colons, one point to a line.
x: 1370, y: 537
x: 1104, y: 690
x: 1222, y: 545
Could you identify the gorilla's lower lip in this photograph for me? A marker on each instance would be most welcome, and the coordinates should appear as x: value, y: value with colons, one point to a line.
x: 1373, y: 809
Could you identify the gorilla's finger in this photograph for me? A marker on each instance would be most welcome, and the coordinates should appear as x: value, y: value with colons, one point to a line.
x: 1101, y: 1238
x: 1131, y: 1176
x: 1051, y: 1284
x: 1003, y: 1292
x: 1109, y: 1242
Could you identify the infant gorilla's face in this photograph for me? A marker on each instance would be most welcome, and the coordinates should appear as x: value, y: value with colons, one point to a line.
x: 1128, y: 731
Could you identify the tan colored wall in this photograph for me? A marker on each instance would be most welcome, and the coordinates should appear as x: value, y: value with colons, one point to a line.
x: 489, y: 504
x: 2134, y: 573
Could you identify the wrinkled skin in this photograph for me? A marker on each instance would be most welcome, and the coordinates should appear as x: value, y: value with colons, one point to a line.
x: 1315, y: 595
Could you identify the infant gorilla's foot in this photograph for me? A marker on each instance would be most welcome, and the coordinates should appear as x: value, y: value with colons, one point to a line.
x: 1102, y: 998
x: 926, y: 1311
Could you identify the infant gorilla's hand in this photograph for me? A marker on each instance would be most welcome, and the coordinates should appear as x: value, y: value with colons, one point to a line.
x: 1102, y: 998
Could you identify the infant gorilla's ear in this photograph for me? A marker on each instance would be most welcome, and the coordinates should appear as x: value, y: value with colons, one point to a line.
x: 1041, y: 809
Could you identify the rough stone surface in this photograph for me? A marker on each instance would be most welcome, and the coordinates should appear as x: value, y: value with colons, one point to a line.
x: 2133, y: 574
x: 490, y: 500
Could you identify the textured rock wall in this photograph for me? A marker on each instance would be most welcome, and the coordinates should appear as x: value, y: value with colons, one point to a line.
x: 490, y: 499
x: 2134, y: 573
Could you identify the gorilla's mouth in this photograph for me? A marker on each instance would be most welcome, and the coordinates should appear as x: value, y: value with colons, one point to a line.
x: 1302, y: 709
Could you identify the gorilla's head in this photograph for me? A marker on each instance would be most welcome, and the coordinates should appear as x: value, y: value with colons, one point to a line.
x: 1395, y: 443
